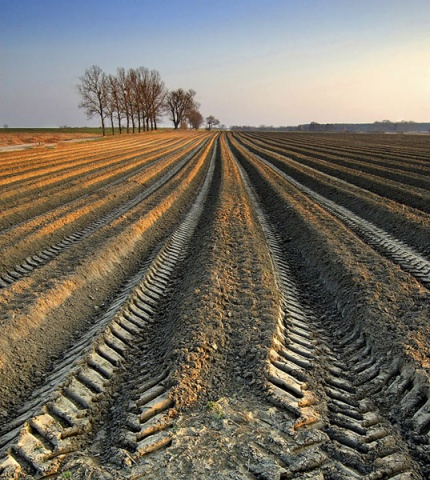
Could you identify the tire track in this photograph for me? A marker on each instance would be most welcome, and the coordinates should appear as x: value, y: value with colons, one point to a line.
x: 74, y: 169
x: 410, y: 176
x: 400, y: 192
x: 291, y: 359
x: 112, y: 183
x: 100, y: 179
x: 402, y: 221
x: 402, y: 158
x: 21, y: 171
x: 46, y: 255
x: 400, y: 389
x: 338, y: 433
x: 64, y: 420
x: 147, y: 418
x: 383, y: 242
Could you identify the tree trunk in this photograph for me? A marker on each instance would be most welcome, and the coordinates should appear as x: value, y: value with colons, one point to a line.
x: 112, y: 124
x: 119, y: 123
x: 103, y: 124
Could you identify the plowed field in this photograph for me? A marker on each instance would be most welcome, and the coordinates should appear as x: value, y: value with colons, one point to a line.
x: 216, y: 306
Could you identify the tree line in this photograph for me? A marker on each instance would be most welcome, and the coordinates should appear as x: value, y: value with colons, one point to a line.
x: 384, y: 126
x: 136, y: 99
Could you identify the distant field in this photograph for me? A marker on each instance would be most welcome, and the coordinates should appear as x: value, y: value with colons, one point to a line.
x: 43, y: 136
x: 92, y: 130
x: 17, y: 136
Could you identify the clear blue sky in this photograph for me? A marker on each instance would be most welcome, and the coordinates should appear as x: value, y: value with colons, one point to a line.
x: 273, y: 62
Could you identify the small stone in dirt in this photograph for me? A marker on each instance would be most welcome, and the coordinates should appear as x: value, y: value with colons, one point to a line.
x: 267, y: 470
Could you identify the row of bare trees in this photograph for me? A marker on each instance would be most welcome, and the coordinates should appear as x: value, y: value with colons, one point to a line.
x: 137, y: 97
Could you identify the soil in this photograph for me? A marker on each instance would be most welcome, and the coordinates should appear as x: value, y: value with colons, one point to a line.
x: 281, y: 341
x: 44, y: 313
x: 22, y: 140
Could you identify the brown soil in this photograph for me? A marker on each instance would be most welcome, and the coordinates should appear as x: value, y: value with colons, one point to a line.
x: 19, y: 138
x: 225, y: 321
x: 403, y: 221
x: 42, y: 314
x: 218, y: 324
x: 368, y: 288
x: 50, y: 226
x: 381, y: 184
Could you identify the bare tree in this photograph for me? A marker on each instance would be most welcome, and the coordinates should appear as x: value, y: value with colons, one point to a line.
x: 142, y: 106
x: 114, y: 99
x: 195, y: 119
x: 178, y: 104
x: 110, y: 113
x: 94, y: 93
x: 211, y: 121
x: 137, y: 95
x: 130, y: 94
x: 121, y: 77
x: 157, y: 95
x: 150, y: 96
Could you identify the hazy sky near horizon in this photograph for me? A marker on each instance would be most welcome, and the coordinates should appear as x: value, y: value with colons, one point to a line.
x: 273, y: 62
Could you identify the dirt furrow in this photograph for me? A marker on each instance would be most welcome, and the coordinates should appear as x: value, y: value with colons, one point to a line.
x: 400, y: 149
x: 15, y: 191
x: 355, y: 158
x: 53, y: 224
x: 217, y: 349
x: 341, y: 387
x: 65, y: 169
x: 386, y: 170
x: 41, y: 315
x: 405, y: 223
x: 304, y: 443
x: 418, y: 198
x: 65, y: 190
x: 396, y: 250
x: 22, y: 166
x: 234, y: 323
x: 69, y: 412
x: 346, y: 437
x: 41, y: 258
x: 334, y: 254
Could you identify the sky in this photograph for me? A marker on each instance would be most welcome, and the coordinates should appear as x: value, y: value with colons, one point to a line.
x: 251, y: 62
